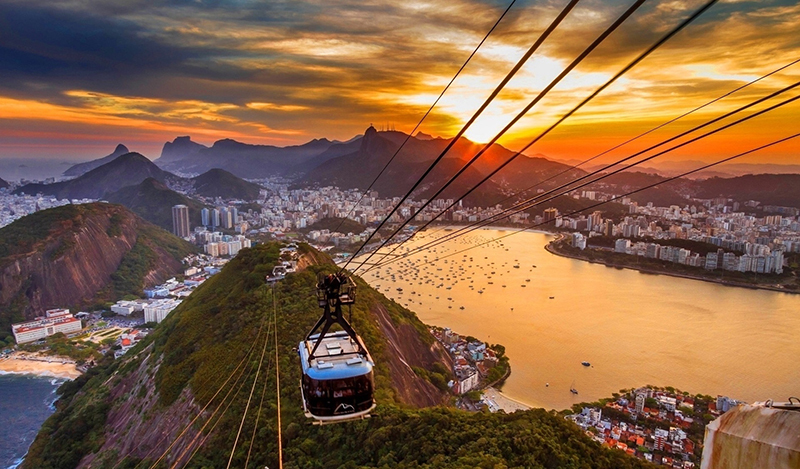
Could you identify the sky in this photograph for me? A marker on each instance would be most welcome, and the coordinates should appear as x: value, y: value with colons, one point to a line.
x: 79, y: 76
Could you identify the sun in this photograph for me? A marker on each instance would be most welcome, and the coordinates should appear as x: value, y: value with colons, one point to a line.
x: 486, y: 127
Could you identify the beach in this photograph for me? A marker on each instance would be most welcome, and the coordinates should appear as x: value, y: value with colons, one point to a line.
x: 39, y: 365
x: 498, y: 401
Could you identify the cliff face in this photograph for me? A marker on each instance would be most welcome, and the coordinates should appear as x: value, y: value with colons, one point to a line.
x: 67, y: 255
x: 70, y: 267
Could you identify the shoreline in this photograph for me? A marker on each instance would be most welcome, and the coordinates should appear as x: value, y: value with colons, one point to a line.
x: 549, y: 248
x: 19, y: 364
x: 495, y: 398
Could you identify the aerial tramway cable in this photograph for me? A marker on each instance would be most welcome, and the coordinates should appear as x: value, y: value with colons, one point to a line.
x: 229, y: 397
x: 575, y: 62
x: 435, y: 102
x: 472, y: 119
x: 277, y: 383
x: 650, y: 186
x: 526, y: 205
x: 620, y: 145
x: 567, y: 187
x: 266, y: 382
x: 250, y: 397
x: 210, y: 401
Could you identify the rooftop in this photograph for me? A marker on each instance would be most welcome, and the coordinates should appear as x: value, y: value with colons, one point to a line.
x: 336, y: 357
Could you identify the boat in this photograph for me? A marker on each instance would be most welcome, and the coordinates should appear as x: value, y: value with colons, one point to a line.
x: 572, y: 388
x: 587, y: 364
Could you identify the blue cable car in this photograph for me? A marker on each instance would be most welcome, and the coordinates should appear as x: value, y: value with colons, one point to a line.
x: 337, y: 383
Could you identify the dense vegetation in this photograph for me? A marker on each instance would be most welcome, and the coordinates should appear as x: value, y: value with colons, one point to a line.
x: 129, y: 279
x: 31, y: 232
x: 220, y: 183
x: 342, y: 225
x: 153, y: 201
x: 209, y: 334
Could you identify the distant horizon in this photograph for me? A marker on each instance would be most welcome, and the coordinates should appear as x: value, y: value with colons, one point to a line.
x: 80, y: 77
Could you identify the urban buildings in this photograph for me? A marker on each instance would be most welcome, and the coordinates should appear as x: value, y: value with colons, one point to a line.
x: 54, y: 321
x: 180, y: 221
x: 159, y: 309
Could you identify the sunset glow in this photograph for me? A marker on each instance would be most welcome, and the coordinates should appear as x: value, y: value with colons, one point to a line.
x: 282, y: 75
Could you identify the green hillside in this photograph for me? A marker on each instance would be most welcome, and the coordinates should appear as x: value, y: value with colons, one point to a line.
x: 183, y: 363
x: 153, y: 201
x: 220, y: 183
x: 77, y: 255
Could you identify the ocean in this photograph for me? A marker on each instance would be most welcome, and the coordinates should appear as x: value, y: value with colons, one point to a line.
x: 25, y: 403
x: 553, y: 313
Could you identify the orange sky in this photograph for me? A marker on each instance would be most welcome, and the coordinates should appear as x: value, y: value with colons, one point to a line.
x: 81, y: 76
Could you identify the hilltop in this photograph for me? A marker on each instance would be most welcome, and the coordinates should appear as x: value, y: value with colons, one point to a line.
x: 82, y: 168
x: 129, y: 411
x: 220, y: 183
x: 126, y: 170
x: 76, y: 254
x: 153, y: 201
x: 242, y: 159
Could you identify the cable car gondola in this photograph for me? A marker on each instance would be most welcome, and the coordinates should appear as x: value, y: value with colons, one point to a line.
x: 337, y: 383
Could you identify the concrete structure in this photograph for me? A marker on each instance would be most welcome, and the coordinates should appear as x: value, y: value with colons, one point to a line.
x: 159, y: 309
x: 180, y: 221
x: 760, y: 435
x: 55, y: 321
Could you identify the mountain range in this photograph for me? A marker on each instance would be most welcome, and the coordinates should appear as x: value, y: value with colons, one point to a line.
x: 124, y: 170
x: 356, y: 163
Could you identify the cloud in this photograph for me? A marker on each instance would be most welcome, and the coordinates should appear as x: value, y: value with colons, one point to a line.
x: 288, y: 71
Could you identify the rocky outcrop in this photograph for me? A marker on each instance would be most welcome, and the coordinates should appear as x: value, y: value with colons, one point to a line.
x: 82, y: 168
x: 78, y: 250
x: 405, y: 349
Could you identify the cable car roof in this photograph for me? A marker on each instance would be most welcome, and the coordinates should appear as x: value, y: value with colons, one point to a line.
x: 336, y: 358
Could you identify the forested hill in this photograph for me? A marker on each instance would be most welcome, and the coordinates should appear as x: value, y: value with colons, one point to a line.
x: 130, y: 411
x: 76, y: 255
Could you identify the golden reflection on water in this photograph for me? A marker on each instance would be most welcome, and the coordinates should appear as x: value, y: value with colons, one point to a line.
x: 634, y: 329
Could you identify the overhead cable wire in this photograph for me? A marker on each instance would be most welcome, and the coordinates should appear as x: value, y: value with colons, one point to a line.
x: 435, y: 102
x: 472, y: 119
x: 608, y: 83
x: 630, y: 140
x: 197, y: 447
x: 526, y: 204
x: 533, y: 201
x: 615, y: 198
x: 278, y: 383
x: 263, y: 393
x: 250, y: 397
x: 199, y: 414
x: 225, y: 399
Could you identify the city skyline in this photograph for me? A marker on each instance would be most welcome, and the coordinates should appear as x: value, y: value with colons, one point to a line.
x: 83, y: 76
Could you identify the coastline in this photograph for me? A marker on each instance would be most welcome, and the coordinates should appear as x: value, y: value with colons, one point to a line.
x: 30, y: 364
x: 499, y: 401
x: 549, y: 248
